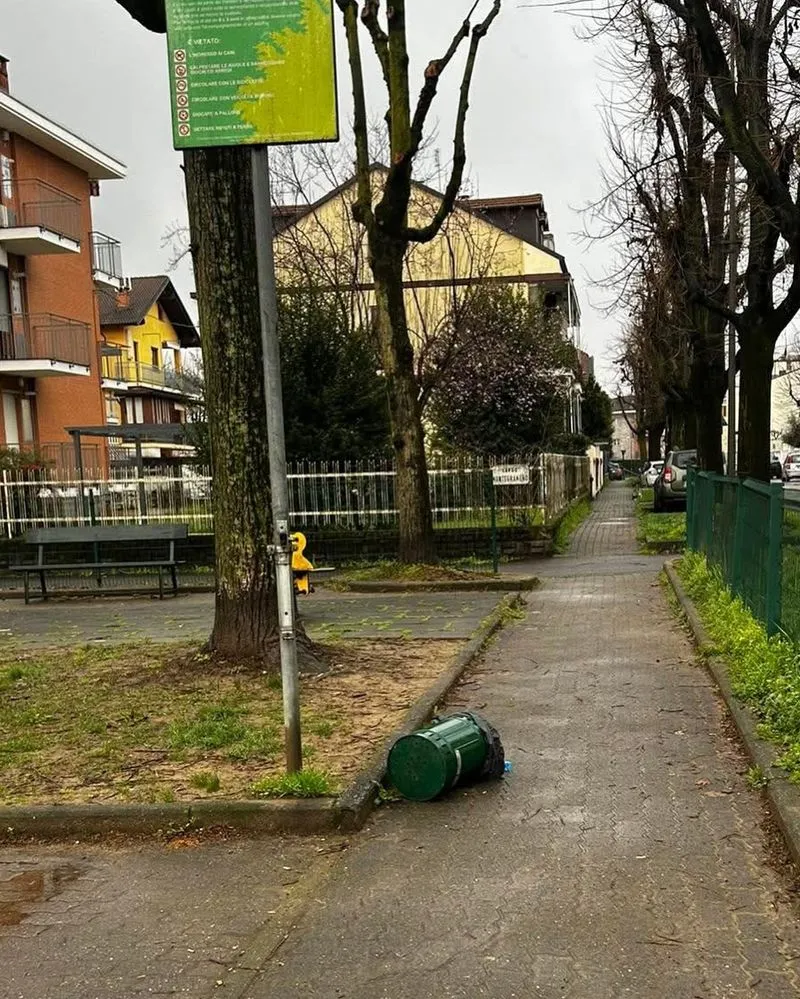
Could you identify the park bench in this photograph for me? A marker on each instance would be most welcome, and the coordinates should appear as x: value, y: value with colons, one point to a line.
x: 50, y: 539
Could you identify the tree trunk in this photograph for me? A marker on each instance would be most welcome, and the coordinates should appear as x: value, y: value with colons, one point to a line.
x: 412, y: 493
x: 690, y: 427
x: 219, y: 195
x: 655, y: 434
x: 755, y: 396
x: 709, y: 432
x: 707, y: 387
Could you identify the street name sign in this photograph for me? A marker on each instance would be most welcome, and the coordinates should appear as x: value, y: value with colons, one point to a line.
x: 511, y: 475
x: 246, y: 72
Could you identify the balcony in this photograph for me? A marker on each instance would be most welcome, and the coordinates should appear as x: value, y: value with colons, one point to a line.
x: 39, y: 218
x: 107, y: 261
x: 34, y: 346
x: 121, y: 373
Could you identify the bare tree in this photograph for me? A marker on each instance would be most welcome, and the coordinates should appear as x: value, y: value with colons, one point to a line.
x: 386, y: 221
x: 667, y: 195
x: 752, y: 103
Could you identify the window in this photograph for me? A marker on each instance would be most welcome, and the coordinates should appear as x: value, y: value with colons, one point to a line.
x: 17, y: 294
x: 7, y: 177
x: 26, y: 412
x: 154, y: 356
x: 161, y: 411
x: 10, y: 420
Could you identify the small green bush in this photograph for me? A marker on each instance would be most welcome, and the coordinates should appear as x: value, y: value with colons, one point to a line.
x: 305, y: 784
x: 764, y: 672
x: 205, y: 780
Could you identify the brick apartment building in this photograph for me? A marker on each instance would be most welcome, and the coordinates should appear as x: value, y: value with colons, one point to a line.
x: 50, y: 258
x: 71, y: 325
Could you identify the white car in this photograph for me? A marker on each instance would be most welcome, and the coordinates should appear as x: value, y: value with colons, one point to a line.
x: 791, y: 466
x: 651, y: 472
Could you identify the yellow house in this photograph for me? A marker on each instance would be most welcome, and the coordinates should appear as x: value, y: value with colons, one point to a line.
x: 145, y: 329
x: 484, y: 241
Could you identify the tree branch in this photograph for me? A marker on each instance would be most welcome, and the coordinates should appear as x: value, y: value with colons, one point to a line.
x: 428, y: 232
x: 433, y: 73
x: 763, y: 176
x: 362, y: 208
x: 380, y: 40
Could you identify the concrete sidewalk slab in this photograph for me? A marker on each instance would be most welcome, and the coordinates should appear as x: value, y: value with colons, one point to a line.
x: 83, y: 922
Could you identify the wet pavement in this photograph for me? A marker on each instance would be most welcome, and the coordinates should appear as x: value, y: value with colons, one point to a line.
x: 624, y: 856
x: 91, y: 923
x: 327, y: 616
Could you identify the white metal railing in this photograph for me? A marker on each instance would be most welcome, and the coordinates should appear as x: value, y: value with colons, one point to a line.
x: 339, y: 495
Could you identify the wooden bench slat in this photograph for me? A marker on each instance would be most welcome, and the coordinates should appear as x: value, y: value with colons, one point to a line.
x: 74, y: 566
x: 78, y: 535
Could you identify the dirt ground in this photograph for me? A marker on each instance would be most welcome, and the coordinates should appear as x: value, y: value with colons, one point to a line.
x: 149, y: 723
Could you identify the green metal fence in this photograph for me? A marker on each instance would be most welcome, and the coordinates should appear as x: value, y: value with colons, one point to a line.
x: 741, y: 528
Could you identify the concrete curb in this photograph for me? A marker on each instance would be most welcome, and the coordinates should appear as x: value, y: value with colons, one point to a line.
x: 783, y: 797
x: 68, y: 822
x: 508, y: 584
x: 311, y: 817
x: 358, y: 800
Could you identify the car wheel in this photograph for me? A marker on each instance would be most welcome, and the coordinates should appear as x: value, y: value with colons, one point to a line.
x: 657, y: 503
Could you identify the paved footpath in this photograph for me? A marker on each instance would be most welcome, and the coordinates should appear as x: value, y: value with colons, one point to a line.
x: 623, y: 857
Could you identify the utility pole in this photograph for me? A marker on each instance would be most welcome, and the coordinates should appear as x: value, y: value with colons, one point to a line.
x: 273, y: 390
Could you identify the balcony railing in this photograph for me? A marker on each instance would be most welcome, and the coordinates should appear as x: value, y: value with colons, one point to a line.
x: 44, y: 337
x: 120, y: 368
x: 106, y: 255
x: 35, y: 203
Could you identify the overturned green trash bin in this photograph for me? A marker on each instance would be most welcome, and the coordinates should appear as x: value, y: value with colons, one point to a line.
x: 453, y: 749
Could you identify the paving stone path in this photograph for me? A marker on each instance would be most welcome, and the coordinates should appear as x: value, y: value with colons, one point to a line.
x: 623, y: 857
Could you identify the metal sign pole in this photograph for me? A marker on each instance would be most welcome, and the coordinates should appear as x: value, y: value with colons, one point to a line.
x: 262, y: 208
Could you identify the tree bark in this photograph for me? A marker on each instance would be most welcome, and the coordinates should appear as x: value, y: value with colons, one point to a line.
x: 655, y: 434
x: 755, y: 391
x: 412, y: 493
x: 709, y: 431
x: 707, y: 386
x: 219, y: 195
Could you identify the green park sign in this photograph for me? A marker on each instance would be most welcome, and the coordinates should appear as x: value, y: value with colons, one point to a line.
x: 251, y: 71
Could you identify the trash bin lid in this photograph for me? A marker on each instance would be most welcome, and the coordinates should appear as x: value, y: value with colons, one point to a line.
x: 418, y: 767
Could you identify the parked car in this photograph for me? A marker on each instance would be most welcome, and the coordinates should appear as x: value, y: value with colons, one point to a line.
x: 650, y: 472
x: 776, y: 468
x: 791, y: 466
x: 615, y: 472
x: 670, y: 486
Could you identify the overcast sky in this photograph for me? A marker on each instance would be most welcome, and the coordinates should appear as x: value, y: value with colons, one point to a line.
x: 533, y: 124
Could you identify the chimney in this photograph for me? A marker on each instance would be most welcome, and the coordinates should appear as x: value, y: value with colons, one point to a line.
x: 123, y: 298
x: 548, y: 241
x: 3, y: 74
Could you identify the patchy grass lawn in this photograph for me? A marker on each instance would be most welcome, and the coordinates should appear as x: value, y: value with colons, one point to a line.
x: 385, y: 570
x: 659, y: 531
x: 764, y: 672
x: 150, y: 723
